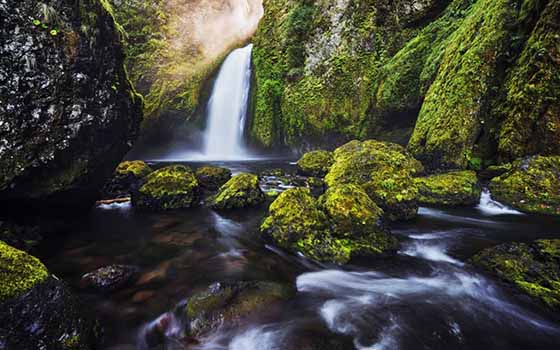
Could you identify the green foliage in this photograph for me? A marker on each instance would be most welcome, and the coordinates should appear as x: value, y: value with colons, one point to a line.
x: 241, y: 191
x: 19, y: 273
x: 450, y: 189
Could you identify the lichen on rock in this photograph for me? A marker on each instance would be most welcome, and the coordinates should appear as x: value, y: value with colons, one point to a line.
x: 172, y: 187
x: 241, y: 191
x: 459, y: 188
x: 315, y: 163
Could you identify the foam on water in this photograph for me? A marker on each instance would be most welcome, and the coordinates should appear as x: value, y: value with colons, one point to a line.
x: 488, y: 206
x: 429, y: 251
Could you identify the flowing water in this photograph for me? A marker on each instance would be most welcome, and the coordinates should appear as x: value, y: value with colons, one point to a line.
x: 426, y: 297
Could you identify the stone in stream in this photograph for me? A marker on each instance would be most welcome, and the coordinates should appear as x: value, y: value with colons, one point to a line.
x: 343, y: 224
x: 37, y: 310
x: 459, y: 188
x: 533, y: 268
x: 315, y: 163
x: 241, y: 191
x: 385, y: 171
x: 127, y: 178
x: 109, y: 278
x: 172, y: 187
x: 532, y: 185
x: 212, y: 178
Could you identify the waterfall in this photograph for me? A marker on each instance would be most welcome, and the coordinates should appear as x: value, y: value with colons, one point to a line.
x: 227, y: 108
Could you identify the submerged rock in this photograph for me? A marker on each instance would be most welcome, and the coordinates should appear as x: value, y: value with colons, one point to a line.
x: 68, y: 113
x: 449, y: 189
x: 241, y: 191
x: 128, y: 177
x: 327, y: 232
x: 533, y: 268
x: 384, y: 170
x: 212, y: 178
x: 172, y: 187
x: 37, y: 310
x: 532, y: 185
x: 109, y: 278
x: 315, y: 163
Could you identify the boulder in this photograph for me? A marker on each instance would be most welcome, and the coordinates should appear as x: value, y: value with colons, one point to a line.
x: 127, y: 178
x: 68, y: 113
x: 241, y: 191
x: 37, y: 311
x: 315, y: 163
x: 212, y: 178
x: 533, y: 268
x: 385, y: 170
x: 450, y: 189
x: 109, y: 278
x: 172, y: 187
x: 532, y: 185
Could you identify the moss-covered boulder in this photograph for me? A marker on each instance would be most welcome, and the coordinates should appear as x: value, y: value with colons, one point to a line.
x: 384, y: 170
x: 315, y: 163
x: 241, y: 191
x: 212, y: 178
x: 532, y: 185
x: 127, y: 178
x: 450, y: 189
x: 297, y: 222
x: 172, y: 187
x: 38, y: 311
x: 533, y: 268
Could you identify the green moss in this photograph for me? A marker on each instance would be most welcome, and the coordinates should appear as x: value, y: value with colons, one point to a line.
x: 138, y: 168
x: 241, y: 191
x: 172, y: 187
x: 315, y: 163
x: 450, y: 189
x: 212, y: 178
x: 384, y: 170
x: 19, y: 273
x: 532, y: 185
x: 533, y: 268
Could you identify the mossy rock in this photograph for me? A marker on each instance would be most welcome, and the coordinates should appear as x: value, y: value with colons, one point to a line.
x: 241, y: 191
x: 172, y: 187
x: 532, y: 185
x: 451, y: 189
x: 128, y: 177
x: 315, y: 163
x: 297, y: 223
x: 229, y: 303
x: 19, y: 272
x: 212, y: 178
x: 493, y: 171
x: 138, y: 168
x: 384, y: 170
x: 533, y: 268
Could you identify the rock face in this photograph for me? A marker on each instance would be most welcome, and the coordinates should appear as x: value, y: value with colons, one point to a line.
x: 36, y: 310
x: 241, y: 191
x: 128, y: 177
x: 531, y: 185
x: 344, y: 223
x: 212, y: 178
x: 68, y: 113
x: 316, y: 163
x: 450, y: 189
x: 384, y: 170
x: 172, y: 187
x: 533, y: 268
x: 109, y: 278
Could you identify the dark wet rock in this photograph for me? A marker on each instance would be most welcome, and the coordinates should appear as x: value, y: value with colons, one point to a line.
x: 316, y: 186
x: 315, y: 163
x: 533, y: 268
x: 20, y: 237
x: 128, y: 177
x: 68, y: 113
x: 241, y: 191
x: 109, y: 278
x: 212, y: 178
x: 172, y: 187
x: 532, y: 185
x: 37, y: 311
x: 459, y: 188
x: 494, y: 171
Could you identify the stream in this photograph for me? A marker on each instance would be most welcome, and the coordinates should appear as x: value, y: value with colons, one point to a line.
x: 427, y: 297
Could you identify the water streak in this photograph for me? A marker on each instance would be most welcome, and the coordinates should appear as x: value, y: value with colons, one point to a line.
x: 488, y: 206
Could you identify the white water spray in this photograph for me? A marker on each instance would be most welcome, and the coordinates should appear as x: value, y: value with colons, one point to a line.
x: 227, y: 108
x: 488, y: 206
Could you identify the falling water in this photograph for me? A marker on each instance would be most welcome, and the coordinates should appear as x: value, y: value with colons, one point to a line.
x: 227, y: 108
